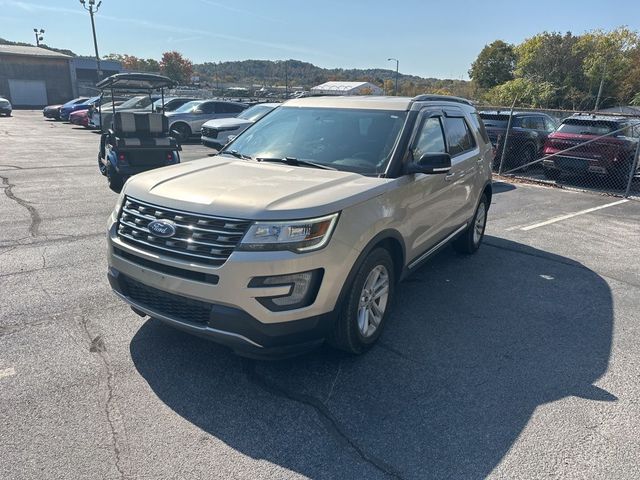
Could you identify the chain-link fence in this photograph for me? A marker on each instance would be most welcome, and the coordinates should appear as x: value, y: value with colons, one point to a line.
x: 585, y: 150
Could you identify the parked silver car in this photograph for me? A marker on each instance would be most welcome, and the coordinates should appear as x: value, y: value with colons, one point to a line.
x: 217, y: 133
x: 189, y: 118
x: 301, y: 228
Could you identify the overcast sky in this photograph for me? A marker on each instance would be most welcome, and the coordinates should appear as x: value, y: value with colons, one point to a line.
x: 430, y: 38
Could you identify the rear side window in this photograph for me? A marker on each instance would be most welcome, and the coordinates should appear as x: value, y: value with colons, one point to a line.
x: 479, y: 125
x: 459, y: 136
x: 430, y: 139
x: 208, y: 107
x: 229, y: 108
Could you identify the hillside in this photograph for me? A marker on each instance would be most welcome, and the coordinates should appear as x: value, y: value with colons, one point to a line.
x: 306, y: 75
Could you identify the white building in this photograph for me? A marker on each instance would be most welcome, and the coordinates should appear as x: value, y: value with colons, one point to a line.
x: 347, y: 88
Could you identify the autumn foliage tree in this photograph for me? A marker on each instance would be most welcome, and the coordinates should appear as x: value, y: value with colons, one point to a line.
x: 132, y: 63
x: 176, y: 67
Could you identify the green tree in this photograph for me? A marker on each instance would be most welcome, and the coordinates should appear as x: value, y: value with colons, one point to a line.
x: 611, y: 58
x: 176, y: 67
x: 529, y: 93
x: 495, y: 65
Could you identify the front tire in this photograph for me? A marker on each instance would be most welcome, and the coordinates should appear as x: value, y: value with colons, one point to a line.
x: 469, y: 241
x: 183, y: 131
x: 114, y: 180
x: 367, y: 304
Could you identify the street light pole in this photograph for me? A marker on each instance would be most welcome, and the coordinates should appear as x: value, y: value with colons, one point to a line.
x: 39, y: 36
x: 93, y: 8
x: 395, y: 92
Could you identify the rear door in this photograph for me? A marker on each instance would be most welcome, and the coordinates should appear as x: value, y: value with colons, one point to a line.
x: 465, y: 161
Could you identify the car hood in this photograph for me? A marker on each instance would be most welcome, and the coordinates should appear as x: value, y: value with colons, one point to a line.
x: 52, y: 107
x: 227, y: 123
x: 228, y: 187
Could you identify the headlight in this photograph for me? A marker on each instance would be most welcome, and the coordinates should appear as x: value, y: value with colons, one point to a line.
x: 116, y: 209
x: 297, y: 235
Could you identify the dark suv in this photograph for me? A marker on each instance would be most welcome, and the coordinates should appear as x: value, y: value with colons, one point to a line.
x: 527, y: 137
x: 600, y: 145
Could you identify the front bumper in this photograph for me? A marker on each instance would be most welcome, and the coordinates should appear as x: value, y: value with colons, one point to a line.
x: 235, y: 328
x: 211, y: 143
x: 235, y: 317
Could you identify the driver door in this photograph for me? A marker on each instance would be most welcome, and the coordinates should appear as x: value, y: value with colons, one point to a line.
x: 427, y: 197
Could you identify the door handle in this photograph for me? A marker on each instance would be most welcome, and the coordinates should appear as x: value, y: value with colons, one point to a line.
x: 449, y: 176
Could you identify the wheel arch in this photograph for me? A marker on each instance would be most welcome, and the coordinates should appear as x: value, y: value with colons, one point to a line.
x: 389, y: 239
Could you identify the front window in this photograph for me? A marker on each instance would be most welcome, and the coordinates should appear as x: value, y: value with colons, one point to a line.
x: 141, y: 101
x: 353, y: 140
x: 188, y: 107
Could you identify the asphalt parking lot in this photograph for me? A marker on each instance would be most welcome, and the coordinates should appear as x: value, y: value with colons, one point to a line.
x: 520, y: 362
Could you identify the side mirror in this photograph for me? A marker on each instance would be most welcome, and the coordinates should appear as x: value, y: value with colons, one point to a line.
x: 431, y: 163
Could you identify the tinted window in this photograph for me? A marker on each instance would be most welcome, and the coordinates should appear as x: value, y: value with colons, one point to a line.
x: 495, y: 120
x: 479, y: 125
x: 586, y: 127
x: 458, y: 135
x: 430, y: 139
x: 549, y: 124
x: 207, y: 107
x: 537, y: 123
x: 229, y: 108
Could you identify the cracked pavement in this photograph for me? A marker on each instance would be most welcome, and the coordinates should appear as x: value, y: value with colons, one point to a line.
x: 519, y: 362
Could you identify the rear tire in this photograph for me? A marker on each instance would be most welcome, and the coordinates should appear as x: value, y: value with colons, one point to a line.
x: 366, y: 306
x: 469, y: 241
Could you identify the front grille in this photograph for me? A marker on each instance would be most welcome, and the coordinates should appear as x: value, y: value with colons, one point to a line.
x: 168, y: 304
x: 198, y: 238
x: 209, y: 132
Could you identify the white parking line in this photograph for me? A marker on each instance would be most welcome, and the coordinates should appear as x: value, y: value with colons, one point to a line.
x: 571, y: 215
x: 7, y: 372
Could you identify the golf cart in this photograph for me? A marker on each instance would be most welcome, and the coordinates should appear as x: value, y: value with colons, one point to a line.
x: 134, y: 141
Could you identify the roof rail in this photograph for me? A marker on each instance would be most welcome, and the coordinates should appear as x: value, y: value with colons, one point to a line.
x: 446, y: 98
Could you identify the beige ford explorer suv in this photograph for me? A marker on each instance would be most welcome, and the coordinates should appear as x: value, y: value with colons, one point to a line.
x: 298, y: 231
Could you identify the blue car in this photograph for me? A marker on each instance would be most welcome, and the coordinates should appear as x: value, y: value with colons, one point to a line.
x: 69, y: 107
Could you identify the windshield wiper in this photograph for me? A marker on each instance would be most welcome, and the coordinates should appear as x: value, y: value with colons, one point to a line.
x: 235, y: 153
x: 296, y: 162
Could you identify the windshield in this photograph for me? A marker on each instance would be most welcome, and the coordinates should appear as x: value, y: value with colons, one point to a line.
x: 345, y: 139
x: 255, y: 113
x: 75, y: 101
x: 141, y: 101
x: 582, y: 127
x: 187, y: 107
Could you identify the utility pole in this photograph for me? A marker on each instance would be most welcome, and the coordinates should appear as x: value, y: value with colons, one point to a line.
x: 39, y: 36
x: 92, y: 9
x: 395, y: 92
x: 604, y: 72
x: 286, y: 79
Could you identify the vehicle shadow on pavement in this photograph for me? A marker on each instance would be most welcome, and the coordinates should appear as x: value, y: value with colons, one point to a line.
x: 475, y: 344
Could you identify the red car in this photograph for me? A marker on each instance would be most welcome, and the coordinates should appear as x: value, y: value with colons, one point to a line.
x: 80, y: 117
x: 599, y: 146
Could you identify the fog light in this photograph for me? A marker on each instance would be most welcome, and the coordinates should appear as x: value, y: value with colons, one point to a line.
x: 302, y: 292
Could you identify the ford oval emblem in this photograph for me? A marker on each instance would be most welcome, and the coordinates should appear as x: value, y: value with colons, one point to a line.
x: 162, y: 228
